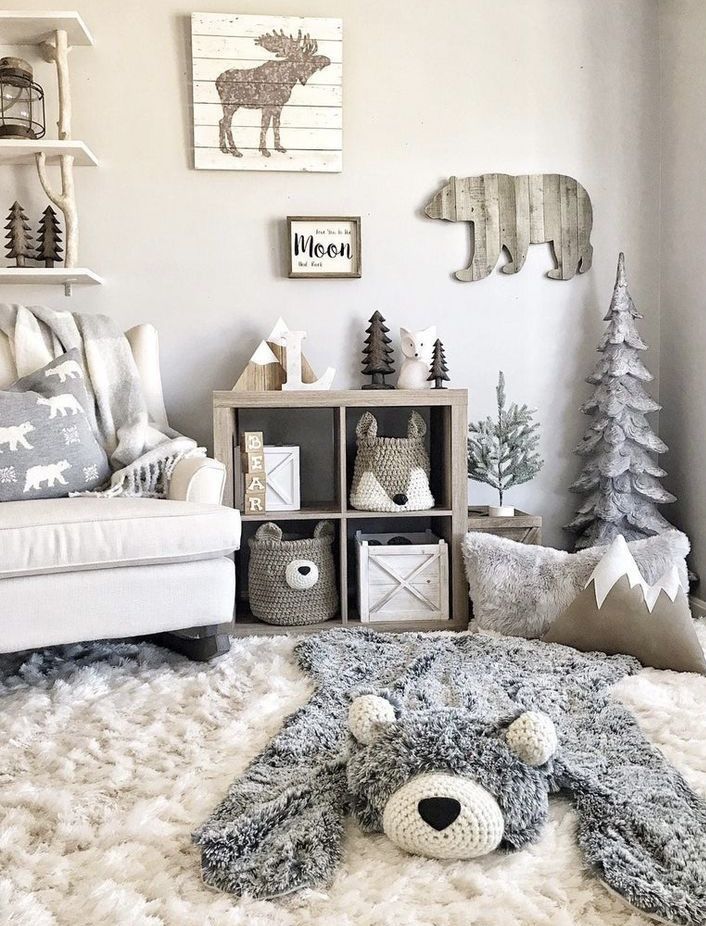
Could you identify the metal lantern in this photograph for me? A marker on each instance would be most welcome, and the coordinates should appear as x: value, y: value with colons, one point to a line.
x: 21, y: 101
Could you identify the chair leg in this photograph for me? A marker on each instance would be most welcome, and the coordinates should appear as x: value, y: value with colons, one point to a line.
x: 200, y: 645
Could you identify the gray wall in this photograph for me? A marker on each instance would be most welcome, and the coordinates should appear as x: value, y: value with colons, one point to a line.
x: 683, y: 286
x: 430, y: 89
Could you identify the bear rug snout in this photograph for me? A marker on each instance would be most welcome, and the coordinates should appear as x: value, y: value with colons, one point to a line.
x: 443, y: 816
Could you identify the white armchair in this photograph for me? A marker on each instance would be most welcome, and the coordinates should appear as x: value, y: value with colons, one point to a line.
x: 76, y: 569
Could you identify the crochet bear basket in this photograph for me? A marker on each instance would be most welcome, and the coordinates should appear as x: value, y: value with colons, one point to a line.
x: 292, y: 581
x: 451, y: 745
x: 391, y: 473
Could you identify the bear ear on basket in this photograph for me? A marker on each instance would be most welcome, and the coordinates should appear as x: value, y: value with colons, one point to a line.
x: 269, y: 531
x: 324, y: 529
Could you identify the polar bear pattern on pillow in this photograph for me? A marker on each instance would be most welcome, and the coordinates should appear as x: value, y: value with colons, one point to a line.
x: 47, y: 444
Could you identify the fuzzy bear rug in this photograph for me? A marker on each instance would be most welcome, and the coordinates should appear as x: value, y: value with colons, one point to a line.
x: 111, y: 755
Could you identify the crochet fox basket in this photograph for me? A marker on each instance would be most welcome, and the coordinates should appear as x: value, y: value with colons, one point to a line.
x: 391, y: 473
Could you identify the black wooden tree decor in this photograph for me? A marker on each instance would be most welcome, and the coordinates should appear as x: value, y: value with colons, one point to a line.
x: 377, y: 353
x: 49, y: 245
x: 438, y: 370
x: 19, y: 238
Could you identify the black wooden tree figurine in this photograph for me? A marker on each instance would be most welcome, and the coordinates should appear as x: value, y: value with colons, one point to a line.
x: 438, y: 370
x: 49, y: 245
x: 377, y: 359
x: 19, y: 238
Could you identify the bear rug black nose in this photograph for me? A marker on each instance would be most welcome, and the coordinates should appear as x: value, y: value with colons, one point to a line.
x: 304, y: 570
x: 400, y: 499
x: 439, y: 812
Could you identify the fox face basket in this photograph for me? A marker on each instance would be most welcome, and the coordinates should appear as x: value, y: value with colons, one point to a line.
x: 391, y: 473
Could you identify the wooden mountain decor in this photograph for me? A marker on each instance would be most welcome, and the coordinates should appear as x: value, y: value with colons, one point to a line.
x: 438, y: 372
x: 377, y: 353
x: 512, y: 213
x: 19, y: 238
x: 266, y: 370
x: 49, y: 245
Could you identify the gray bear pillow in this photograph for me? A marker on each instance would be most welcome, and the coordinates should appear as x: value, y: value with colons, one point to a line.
x: 47, y: 445
x: 520, y: 590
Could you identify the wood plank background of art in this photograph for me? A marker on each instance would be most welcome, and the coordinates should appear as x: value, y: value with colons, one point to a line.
x: 267, y: 92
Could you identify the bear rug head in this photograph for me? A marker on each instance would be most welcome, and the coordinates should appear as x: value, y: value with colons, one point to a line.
x: 443, y: 784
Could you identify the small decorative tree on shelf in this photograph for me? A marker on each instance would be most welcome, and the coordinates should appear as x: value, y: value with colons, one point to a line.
x: 377, y: 353
x: 620, y: 477
x: 438, y: 372
x: 502, y: 452
x: 19, y: 238
x: 49, y: 245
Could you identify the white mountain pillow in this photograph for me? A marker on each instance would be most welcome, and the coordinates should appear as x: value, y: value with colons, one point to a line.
x: 618, y: 612
x: 519, y: 589
x: 47, y: 446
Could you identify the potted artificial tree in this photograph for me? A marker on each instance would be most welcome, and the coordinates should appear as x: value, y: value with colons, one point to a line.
x: 502, y: 452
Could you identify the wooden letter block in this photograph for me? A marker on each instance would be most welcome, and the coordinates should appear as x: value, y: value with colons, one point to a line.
x: 255, y: 484
x: 254, y: 462
x: 251, y: 441
x: 254, y: 502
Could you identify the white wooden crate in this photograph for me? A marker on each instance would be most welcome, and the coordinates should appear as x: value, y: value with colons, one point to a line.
x: 282, y: 471
x: 402, y: 582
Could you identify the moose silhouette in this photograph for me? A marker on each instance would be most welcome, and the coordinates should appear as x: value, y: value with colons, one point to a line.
x: 268, y: 86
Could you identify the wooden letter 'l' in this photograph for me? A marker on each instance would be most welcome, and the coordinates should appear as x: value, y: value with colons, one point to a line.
x: 293, y: 342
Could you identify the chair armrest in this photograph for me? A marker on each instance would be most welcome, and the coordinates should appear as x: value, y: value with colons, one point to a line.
x: 197, y: 479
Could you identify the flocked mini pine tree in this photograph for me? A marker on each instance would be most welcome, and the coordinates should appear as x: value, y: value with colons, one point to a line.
x: 621, y: 476
x: 502, y: 451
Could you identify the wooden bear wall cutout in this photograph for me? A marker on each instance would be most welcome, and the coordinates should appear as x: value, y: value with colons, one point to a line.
x: 514, y: 212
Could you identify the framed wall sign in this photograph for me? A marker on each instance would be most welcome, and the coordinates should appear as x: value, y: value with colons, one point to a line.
x: 324, y: 246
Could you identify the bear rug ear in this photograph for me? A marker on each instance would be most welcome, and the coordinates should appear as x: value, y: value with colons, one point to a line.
x: 532, y: 737
x: 368, y: 716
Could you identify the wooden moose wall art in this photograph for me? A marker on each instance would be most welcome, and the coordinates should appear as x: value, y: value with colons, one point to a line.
x: 267, y: 92
x: 514, y: 212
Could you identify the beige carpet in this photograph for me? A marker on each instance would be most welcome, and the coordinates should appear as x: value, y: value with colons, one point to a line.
x: 107, y: 767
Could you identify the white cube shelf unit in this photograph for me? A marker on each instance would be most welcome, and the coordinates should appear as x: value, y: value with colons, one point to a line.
x: 323, y: 425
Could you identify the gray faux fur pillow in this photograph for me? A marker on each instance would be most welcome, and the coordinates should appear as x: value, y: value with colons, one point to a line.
x: 519, y: 590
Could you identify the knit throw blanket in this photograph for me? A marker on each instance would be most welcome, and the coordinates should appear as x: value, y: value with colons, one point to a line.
x: 642, y: 830
x: 142, y: 455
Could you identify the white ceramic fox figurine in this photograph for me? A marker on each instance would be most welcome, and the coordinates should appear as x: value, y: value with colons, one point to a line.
x: 417, y: 347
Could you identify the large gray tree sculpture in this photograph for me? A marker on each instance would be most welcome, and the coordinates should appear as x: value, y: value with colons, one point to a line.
x: 621, y: 476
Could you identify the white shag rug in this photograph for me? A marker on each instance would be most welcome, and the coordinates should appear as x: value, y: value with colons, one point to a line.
x: 106, y: 768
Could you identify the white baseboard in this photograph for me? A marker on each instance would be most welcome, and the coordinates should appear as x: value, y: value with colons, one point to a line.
x: 698, y: 607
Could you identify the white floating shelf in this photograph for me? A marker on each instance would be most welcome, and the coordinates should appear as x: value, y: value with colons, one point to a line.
x: 39, y: 276
x: 14, y: 151
x: 30, y: 27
